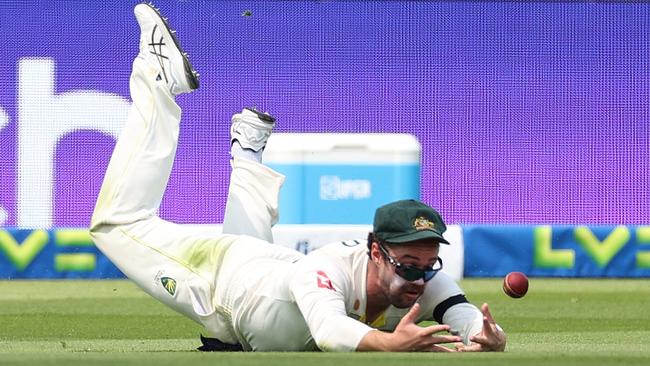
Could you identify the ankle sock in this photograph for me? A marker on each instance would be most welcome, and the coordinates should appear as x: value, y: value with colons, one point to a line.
x: 236, y: 150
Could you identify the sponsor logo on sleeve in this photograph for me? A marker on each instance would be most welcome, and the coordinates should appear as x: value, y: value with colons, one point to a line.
x: 324, y: 281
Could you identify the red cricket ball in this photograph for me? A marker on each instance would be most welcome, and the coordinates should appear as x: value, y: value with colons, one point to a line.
x: 515, y: 284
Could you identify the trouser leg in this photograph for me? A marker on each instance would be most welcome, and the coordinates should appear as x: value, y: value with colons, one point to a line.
x: 252, y: 206
x: 144, y: 154
x: 173, y: 263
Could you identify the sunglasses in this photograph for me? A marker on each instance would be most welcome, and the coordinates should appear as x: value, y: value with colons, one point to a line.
x: 409, y: 272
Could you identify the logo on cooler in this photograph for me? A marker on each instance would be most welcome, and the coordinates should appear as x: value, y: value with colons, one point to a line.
x: 334, y: 188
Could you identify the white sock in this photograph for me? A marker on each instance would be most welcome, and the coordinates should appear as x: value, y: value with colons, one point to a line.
x: 237, y: 151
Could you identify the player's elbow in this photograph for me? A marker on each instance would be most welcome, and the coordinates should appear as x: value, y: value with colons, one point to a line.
x: 337, y: 338
x: 330, y: 346
x: 324, y: 339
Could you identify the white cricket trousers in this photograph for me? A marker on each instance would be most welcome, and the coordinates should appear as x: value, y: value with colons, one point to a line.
x: 178, y: 265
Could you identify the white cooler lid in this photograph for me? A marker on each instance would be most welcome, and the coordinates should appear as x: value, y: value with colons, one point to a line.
x: 349, y: 148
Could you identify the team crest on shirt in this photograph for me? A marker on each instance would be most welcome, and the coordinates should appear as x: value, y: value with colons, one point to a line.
x: 169, y: 284
x: 422, y: 223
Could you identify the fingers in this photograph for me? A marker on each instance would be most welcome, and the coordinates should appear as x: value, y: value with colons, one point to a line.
x: 426, y: 341
x: 486, y: 334
x: 430, y: 330
x: 431, y: 345
x: 412, y: 315
x: 471, y: 348
x: 491, y: 342
x: 433, y: 348
x: 436, y: 348
x: 422, y: 338
x: 435, y: 329
x: 489, y: 324
x: 459, y: 346
x: 480, y: 339
x: 486, y: 313
x: 446, y: 339
x: 489, y: 339
x: 488, y: 327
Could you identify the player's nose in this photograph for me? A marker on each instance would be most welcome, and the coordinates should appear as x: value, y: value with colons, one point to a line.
x: 419, y: 282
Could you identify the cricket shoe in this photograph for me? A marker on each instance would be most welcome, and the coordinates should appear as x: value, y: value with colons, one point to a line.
x: 251, y: 128
x: 159, y: 46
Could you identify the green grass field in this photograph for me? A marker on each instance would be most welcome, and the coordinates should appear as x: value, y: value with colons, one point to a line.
x: 568, y: 322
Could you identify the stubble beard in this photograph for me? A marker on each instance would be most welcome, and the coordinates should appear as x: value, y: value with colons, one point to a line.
x: 398, y: 292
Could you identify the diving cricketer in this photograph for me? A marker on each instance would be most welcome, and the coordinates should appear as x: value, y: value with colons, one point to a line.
x: 250, y: 294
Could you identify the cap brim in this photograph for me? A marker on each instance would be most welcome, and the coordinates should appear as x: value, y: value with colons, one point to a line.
x: 420, y: 235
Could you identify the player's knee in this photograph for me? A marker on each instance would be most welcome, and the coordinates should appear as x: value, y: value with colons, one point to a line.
x: 97, y: 231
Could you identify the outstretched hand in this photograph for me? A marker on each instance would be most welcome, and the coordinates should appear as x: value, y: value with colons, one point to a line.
x: 411, y: 337
x: 491, y: 338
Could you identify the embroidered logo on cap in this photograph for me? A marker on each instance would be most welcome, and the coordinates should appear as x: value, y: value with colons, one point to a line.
x: 422, y: 223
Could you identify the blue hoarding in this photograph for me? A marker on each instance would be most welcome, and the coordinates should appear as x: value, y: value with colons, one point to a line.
x: 62, y: 253
x: 490, y: 251
x: 557, y: 251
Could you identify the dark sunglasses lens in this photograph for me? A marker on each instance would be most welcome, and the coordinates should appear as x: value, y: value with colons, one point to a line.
x: 428, y: 275
x: 414, y: 274
x: 410, y: 274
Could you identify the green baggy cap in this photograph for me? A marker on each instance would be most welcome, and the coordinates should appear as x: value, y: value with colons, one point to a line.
x: 408, y: 220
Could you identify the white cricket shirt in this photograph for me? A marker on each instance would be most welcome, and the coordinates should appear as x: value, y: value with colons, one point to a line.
x: 276, y: 299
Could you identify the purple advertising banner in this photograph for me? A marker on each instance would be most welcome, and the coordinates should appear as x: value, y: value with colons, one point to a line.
x: 527, y: 112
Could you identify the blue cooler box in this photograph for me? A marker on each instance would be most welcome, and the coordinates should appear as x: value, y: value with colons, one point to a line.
x: 342, y: 178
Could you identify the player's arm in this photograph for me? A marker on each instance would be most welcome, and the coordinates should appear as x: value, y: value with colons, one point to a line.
x: 318, y: 289
x: 490, y: 337
x: 478, y: 330
x: 408, y: 337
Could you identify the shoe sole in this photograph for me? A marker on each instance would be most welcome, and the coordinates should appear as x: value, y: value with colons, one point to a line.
x: 190, y: 73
